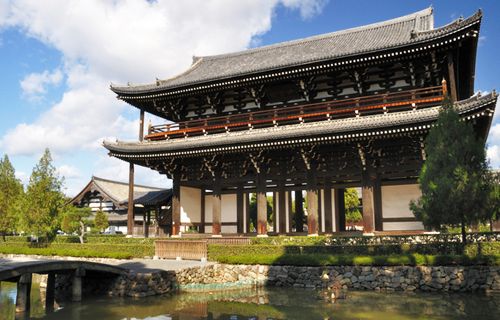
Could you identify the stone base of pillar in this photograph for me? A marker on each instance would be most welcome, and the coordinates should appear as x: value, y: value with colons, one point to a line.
x: 312, y: 235
x: 371, y: 234
x: 262, y: 236
x: 216, y: 236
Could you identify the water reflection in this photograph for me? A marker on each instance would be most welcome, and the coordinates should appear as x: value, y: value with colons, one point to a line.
x: 261, y: 304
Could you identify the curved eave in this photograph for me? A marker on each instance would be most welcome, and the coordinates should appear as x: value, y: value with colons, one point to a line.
x: 349, y: 128
x: 138, y: 92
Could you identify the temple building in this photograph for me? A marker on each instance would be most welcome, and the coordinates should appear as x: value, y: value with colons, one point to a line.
x: 111, y: 197
x: 345, y: 109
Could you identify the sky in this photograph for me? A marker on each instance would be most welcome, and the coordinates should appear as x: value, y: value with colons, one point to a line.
x: 59, y: 57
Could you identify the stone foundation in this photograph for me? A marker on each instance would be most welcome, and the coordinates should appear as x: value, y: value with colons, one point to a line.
x: 224, y: 277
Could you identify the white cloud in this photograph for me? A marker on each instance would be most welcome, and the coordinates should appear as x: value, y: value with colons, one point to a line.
x: 104, y: 41
x: 24, y: 177
x: 69, y: 172
x: 493, y: 154
x: 36, y: 83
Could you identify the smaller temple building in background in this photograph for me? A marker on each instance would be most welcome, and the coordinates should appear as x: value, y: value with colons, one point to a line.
x: 151, y: 206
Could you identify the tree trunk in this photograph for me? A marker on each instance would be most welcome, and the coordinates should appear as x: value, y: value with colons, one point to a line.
x: 464, y: 238
x: 82, y: 233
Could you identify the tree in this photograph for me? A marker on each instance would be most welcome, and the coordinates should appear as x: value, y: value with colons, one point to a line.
x: 10, y: 191
x: 351, y: 199
x: 253, y: 209
x: 100, y: 221
x: 74, y: 220
x: 454, y: 179
x: 43, y: 205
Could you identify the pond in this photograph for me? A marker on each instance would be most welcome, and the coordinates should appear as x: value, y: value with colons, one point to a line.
x: 265, y: 303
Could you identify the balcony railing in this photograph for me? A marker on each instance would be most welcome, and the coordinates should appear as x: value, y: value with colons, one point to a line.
x: 345, y: 108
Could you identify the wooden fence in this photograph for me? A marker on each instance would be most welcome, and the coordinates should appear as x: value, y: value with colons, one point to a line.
x: 172, y: 249
x: 230, y: 241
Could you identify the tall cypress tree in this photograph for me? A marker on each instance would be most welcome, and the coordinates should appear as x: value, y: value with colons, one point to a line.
x: 454, y: 180
x: 10, y: 191
x: 43, y: 204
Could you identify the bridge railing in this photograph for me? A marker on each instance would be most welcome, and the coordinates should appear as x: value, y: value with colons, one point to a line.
x: 353, y: 107
x: 172, y: 249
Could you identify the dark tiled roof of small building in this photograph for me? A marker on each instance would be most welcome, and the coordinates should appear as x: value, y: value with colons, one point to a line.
x: 298, y: 131
x: 406, y: 30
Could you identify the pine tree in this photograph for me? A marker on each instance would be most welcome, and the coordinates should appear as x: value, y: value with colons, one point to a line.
x: 351, y: 199
x: 454, y: 179
x: 42, y: 207
x: 11, y: 190
x: 75, y: 220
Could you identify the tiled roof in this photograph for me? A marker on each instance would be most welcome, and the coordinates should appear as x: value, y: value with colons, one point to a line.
x: 118, y: 192
x: 406, y: 30
x: 298, y: 131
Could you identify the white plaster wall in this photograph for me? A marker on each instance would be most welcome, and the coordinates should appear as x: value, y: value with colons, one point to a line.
x: 288, y: 210
x: 228, y: 208
x: 208, y: 211
x: 399, y: 226
x: 334, y: 211
x: 396, y: 199
x: 190, y: 205
x: 229, y: 229
x: 322, y: 208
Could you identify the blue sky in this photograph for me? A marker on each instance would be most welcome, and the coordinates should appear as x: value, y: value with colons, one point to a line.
x: 58, y: 58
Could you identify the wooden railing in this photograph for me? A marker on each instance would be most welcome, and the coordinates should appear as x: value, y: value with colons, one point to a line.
x: 230, y: 241
x: 305, y: 113
x: 173, y: 249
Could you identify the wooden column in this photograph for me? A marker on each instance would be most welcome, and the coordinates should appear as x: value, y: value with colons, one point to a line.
x: 261, y: 205
x: 282, y: 207
x: 23, y: 293
x: 217, y: 206
x: 77, y: 284
x: 299, y: 211
x: 144, y: 232
x: 176, y: 205
x: 312, y: 204
x: 377, y: 203
x: 275, y: 216
x: 451, y: 74
x: 202, y: 227
x: 367, y: 191
x: 130, y: 208
x: 239, y: 208
x: 340, y: 209
x: 141, y: 126
x: 290, y: 212
x: 327, y: 198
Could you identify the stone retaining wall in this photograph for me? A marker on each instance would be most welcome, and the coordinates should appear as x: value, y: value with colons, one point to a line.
x: 223, y: 277
x: 458, y: 279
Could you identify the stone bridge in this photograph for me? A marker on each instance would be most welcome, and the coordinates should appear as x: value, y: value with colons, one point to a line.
x: 21, y: 270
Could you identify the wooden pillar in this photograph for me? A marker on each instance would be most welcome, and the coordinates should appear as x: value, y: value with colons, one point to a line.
x: 130, y: 208
x: 176, y: 205
x: 327, y: 199
x: 367, y: 191
x: 203, y: 221
x: 451, y: 74
x: 282, y: 207
x: 216, y: 207
x: 495, y: 225
x: 144, y: 224
x: 261, y: 205
x: 312, y: 204
x: 377, y: 204
x: 23, y: 293
x: 141, y: 126
x: 275, y: 216
x: 340, y: 209
x: 157, y: 220
x: 299, y: 212
x: 77, y: 284
x: 239, y: 208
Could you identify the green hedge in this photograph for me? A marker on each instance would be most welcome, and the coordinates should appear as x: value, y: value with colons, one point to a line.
x: 345, y: 260
x: 377, y: 240
x: 439, y: 248
x: 134, y: 250
x: 65, y: 252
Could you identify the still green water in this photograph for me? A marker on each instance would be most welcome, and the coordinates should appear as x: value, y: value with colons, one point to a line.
x: 259, y: 304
